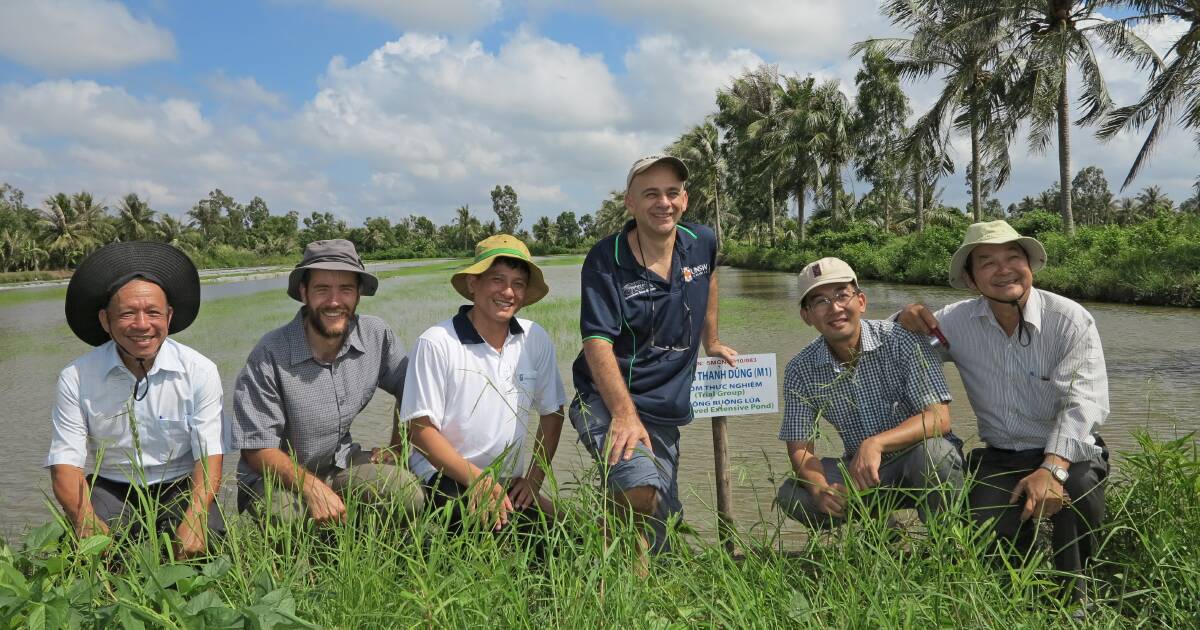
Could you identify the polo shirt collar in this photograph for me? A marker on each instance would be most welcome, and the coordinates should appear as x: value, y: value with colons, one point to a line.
x: 684, y: 238
x: 298, y: 350
x: 167, y: 359
x: 466, y: 332
x: 1032, y: 309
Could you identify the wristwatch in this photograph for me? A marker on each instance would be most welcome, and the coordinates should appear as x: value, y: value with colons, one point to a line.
x: 1058, y: 472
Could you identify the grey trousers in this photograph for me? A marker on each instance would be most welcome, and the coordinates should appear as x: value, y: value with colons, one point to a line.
x: 917, y: 475
x: 123, y: 506
x: 368, y: 482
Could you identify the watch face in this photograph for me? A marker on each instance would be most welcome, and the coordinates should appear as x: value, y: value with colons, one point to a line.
x: 1060, y: 474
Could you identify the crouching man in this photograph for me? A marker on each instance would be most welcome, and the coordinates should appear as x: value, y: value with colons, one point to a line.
x: 473, y: 381
x: 302, y: 387
x: 882, y: 389
x: 146, y: 408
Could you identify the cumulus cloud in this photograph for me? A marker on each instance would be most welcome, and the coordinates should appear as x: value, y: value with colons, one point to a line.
x: 245, y: 91
x: 428, y: 15
x: 64, y: 36
x: 110, y: 142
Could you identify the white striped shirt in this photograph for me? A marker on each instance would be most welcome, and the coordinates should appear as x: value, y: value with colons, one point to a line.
x: 1051, y: 394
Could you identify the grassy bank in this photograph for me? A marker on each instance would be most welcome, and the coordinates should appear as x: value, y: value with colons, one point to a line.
x: 375, y: 572
x: 1154, y: 262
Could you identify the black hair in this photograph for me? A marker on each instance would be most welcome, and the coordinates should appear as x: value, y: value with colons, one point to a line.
x: 514, y: 263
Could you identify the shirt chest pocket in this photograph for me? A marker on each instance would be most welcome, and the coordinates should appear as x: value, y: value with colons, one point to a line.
x: 172, y: 433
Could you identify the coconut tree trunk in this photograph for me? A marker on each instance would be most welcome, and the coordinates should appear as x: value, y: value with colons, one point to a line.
x: 976, y: 195
x: 717, y: 205
x: 835, y: 214
x: 919, y: 197
x: 771, y: 205
x: 1064, y: 156
x: 800, y: 194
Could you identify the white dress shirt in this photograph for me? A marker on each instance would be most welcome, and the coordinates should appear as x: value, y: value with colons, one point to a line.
x: 177, y: 423
x: 1051, y: 394
x: 478, y: 397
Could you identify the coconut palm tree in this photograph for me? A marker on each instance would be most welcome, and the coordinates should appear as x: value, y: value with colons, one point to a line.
x: 1172, y: 92
x: 135, y: 219
x: 974, y: 70
x: 700, y: 148
x: 833, y: 124
x: 1050, y: 37
x: 748, y: 111
x: 791, y: 152
x: 69, y: 227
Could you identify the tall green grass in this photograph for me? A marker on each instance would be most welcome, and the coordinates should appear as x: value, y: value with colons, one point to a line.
x: 379, y: 570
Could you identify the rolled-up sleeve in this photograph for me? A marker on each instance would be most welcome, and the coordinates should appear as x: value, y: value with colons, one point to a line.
x: 925, y: 381
x: 258, y: 412
x: 68, y: 441
x: 393, y: 365
x: 425, y: 385
x: 208, y: 420
x: 1082, y: 380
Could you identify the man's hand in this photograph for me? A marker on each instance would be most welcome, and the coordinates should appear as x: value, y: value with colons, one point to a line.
x: 1044, y: 495
x: 624, y: 435
x: 324, y: 505
x: 190, y: 537
x: 383, y: 456
x: 864, y: 468
x: 831, y: 499
x: 488, y: 499
x: 523, y: 492
x: 722, y: 351
x: 918, y: 319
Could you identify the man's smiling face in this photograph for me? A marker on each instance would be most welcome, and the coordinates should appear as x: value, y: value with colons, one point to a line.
x: 1000, y: 271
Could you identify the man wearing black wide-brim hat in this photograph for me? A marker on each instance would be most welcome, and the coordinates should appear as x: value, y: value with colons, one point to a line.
x: 144, y: 408
x: 302, y: 387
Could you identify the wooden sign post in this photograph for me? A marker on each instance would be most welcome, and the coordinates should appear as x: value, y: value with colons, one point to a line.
x: 719, y: 391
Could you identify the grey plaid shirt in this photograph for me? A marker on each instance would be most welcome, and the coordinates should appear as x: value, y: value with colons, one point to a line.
x: 896, y: 377
x: 284, y: 398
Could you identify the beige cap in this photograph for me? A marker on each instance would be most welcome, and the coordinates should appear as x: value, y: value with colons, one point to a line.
x: 822, y: 272
x: 992, y: 233
x: 642, y: 164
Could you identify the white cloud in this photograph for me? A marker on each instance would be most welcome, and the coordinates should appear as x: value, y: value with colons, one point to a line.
x: 244, y: 90
x: 107, y: 141
x: 428, y: 15
x: 64, y: 36
x: 800, y: 31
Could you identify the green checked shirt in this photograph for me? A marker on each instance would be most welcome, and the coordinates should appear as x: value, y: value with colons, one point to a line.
x: 897, y: 376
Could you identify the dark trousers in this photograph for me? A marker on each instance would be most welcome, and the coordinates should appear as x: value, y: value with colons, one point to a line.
x: 125, y: 506
x: 443, y: 491
x: 1074, y: 528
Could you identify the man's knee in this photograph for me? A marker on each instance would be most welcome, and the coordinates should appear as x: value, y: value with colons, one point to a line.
x: 381, y: 483
x: 641, y: 499
x: 937, y: 461
x: 797, y: 504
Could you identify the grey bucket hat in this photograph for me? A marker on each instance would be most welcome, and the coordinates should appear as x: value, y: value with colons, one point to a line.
x: 333, y: 255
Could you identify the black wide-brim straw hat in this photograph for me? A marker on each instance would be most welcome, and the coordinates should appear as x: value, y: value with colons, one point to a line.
x: 91, y: 284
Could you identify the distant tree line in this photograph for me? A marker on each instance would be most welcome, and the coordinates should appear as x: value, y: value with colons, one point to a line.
x: 220, y: 231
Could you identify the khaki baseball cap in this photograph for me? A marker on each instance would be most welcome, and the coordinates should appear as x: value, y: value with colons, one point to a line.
x: 822, y: 272
x: 645, y: 163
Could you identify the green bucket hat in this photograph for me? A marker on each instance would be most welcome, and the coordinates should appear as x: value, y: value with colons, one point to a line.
x: 506, y: 246
x: 992, y: 233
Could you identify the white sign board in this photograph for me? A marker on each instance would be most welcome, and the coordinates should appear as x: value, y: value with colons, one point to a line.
x: 751, y: 386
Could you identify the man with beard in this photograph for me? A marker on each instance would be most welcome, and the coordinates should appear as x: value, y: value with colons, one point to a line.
x: 301, y: 389
x: 1034, y: 371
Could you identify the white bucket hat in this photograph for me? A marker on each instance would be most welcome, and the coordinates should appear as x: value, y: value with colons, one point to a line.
x: 992, y: 233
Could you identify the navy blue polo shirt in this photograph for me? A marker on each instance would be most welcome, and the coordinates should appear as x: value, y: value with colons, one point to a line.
x: 654, y: 324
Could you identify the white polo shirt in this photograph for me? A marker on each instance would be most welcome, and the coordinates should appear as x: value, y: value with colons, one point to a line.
x: 481, y: 398
x: 177, y: 422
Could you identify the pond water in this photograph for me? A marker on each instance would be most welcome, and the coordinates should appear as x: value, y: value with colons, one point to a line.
x: 1153, y: 359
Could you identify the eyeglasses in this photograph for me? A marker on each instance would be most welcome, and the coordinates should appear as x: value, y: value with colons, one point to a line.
x: 841, y: 298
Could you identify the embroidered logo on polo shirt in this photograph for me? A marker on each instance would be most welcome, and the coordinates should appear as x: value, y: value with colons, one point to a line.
x: 636, y: 288
x: 690, y: 273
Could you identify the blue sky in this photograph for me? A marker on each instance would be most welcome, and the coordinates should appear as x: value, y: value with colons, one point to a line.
x: 387, y: 108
